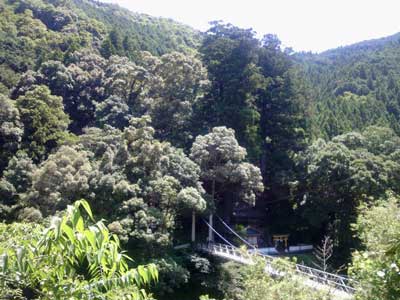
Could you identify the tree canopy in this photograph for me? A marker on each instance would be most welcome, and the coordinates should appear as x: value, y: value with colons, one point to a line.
x: 157, y: 125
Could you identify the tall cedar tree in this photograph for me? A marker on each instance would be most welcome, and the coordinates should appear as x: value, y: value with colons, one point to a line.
x: 230, y: 54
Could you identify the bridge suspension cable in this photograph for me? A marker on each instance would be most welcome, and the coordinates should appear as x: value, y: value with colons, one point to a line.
x: 219, y: 235
x: 235, y: 233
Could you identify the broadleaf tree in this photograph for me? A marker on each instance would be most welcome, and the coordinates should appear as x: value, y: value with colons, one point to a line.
x: 224, y: 170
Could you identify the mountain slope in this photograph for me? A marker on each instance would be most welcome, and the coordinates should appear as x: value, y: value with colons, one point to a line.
x: 355, y: 86
x: 33, y: 31
x: 157, y: 35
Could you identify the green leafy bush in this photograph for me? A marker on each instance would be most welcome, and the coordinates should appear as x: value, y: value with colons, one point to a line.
x: 252, y: 282
x: 377, y: 267
x: 71, y: 260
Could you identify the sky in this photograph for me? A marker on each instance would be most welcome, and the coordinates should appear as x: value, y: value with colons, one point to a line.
x: 304, y: 25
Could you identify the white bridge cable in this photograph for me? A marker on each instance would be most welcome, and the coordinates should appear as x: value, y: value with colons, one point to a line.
x: 235, y: 233
x: 216, y: 232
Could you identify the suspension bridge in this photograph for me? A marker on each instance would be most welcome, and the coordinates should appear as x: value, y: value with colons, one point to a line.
x: 340, y: 287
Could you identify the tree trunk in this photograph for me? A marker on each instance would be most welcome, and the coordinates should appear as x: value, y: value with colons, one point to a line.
x: 210, y: 232
x: 193, y: 226
x: 210, y: 221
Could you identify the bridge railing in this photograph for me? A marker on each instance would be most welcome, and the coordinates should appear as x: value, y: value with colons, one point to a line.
x: 333, y: 280
x: 224, y: 249
x: 336, y: 281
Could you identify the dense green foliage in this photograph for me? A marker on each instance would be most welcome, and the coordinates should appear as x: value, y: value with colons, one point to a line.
x: 130, y: 32
x: 337, y: 176
x: 69, y: 260
x: 153, y: 123
x: 256, y: 90
x: 11, y: 130
x: 35, y: 31
x: 32, y: 32
x: 44, y: 121
x: 225, y: 175
x: 252, y: 91
x: 99, y: 92
x: 355, y: 86
x: 377, y: 265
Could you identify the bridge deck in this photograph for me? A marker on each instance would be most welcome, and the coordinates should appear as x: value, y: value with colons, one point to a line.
x: 339, y: 286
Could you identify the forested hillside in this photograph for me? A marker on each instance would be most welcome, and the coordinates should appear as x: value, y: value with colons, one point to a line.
x: 140, y: 31
x: 118, y: 131
x: 34, y: 31
x: 355, y: 86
